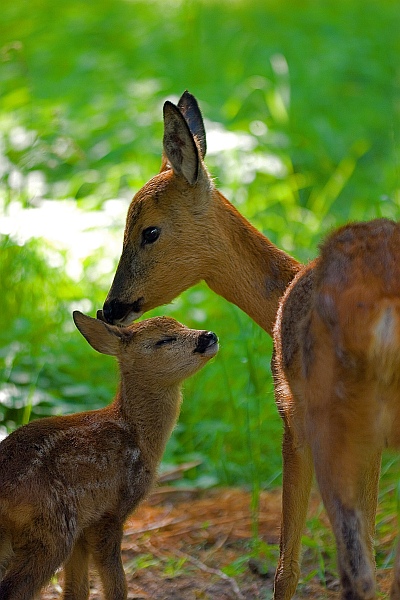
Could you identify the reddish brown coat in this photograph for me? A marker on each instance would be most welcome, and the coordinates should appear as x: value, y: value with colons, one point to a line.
x: 68, y: 483
x: 337, y: 380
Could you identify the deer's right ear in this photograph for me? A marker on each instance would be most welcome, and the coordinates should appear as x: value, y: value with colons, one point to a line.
x: 102, y: 337
x: 179, y: 145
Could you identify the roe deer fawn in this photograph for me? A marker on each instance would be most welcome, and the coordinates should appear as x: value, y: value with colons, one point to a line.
x: 337, y: 377
x: 68, y: 483
x: 180, y: 229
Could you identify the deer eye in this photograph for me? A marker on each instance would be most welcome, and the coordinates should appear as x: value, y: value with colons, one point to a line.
x: 166, y: 340
x: 150, y: 235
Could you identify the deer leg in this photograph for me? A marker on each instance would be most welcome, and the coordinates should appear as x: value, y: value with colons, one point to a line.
x: 76, y: 572
x: 347, y: 473
x: 104, y: 540
x: 395, y: 589
x: 296, y: 487
x: 368, y: 498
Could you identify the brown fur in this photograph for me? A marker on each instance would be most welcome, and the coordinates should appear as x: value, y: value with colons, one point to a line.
x: 68, y: 483
x: 203, y: 237
x: 337, y: 374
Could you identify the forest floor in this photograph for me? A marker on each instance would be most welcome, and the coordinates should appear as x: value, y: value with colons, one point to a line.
x: 196, y: 545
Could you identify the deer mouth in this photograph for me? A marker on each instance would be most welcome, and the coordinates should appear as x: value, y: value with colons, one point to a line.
x: 120, y: 313
x: 207, y: 344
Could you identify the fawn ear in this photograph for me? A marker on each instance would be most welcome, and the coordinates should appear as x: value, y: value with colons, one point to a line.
x: 180, y: 147
x: 193, y: 117
x: 102, y: 337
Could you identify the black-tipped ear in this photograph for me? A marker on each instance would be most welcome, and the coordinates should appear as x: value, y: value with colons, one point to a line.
x: 102, y: 337
x: 179, y: 145
x: 190, y: 109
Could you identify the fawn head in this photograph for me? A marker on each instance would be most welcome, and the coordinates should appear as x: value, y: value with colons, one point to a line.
x: 167, y: 228
x: 159, y: 349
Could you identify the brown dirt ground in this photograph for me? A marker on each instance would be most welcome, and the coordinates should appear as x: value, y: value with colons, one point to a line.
x: 177, y: 543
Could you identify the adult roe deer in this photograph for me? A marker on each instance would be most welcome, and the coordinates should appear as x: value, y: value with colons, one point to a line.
x: 68, y: 483
x: 337, y: 379
x: 180, y: 229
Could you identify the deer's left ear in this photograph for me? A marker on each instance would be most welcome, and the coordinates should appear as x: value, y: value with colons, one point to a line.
x: 180, y: 147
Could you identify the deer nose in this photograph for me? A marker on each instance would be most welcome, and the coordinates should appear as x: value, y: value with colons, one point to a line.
x: 205, y: 340
x: 113, y: 310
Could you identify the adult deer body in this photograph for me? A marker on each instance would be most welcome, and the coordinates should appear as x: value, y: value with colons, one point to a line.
x: 68, y: 483
x: 337, y: 377
x: 336, y: 390
x: 180, y: 229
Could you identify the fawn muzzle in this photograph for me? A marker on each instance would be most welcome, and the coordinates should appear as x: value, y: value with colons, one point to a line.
x: 206, y: 341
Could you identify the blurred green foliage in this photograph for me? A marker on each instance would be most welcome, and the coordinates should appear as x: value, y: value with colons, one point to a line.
x: 311, y: 91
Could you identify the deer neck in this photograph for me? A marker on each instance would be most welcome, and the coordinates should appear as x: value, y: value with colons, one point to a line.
x: 247, y: 269
x: 150, y: 413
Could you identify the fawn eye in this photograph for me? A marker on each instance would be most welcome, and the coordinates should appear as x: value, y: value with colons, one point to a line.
x: 167, y: 340
x: 150, y: 235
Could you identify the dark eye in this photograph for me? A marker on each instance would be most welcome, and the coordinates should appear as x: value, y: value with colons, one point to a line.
x: 167, y: 340
x: 150, y: 235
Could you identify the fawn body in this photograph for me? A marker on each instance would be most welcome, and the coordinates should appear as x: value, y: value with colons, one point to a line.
x: 68, y: 483
x: 180, y: 229
x: 337, y: 379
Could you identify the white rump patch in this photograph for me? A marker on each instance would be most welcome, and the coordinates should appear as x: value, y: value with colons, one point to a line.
x: 385, y: 329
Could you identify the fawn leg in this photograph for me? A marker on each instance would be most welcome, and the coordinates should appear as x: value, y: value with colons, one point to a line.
x: 76, y: 572
x: 6, y: 552
x: 104, y: 540
x: 30, y: 568
x: 347, y: 473
x: 297, y: 479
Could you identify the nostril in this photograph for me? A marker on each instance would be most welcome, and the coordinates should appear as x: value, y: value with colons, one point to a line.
x: 108, y: 312
x: 205, y: 340
x: 114, y: 310
x: 212, y: 337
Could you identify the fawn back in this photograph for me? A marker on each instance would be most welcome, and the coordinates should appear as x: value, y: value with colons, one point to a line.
x: 68, y: 483
x: 180, y: 229
x: 337, y: 374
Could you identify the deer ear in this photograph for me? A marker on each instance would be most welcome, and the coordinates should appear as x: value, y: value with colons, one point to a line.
x: 193, y: 117
x: 179, y: 145
x: 102, y: 337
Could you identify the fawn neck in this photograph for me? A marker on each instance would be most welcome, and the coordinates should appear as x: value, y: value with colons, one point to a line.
x: 151, y: 412
x: 247, y: 269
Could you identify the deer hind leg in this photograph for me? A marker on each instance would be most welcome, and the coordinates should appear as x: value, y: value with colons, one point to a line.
x: 297, y: 479
x: 76, y: 572
x: 104, y: 541
x: 395, y: 589
x: 348, y: 473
